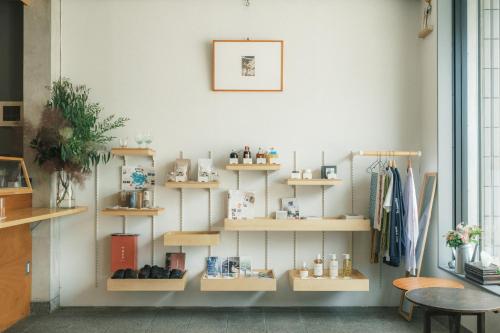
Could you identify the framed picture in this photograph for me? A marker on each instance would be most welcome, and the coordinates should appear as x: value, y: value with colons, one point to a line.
x: 247, y: 65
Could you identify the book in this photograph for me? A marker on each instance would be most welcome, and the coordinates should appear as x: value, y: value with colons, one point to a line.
x: 241, y: 205
x: 213, y: 267
x: 291, y: 206
x: 123, y: 251
x: 176, y: 260
x: 246, y: 266
x: 234, y: 266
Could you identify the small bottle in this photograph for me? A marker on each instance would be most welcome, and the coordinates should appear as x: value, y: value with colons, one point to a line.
x: 334, y: 267
x: 247, y: 156
x: 304, y: 271
x: 272, y: 156
x: 318, y: 267
x: 261, y: 157
x: 233, y: 157
x: 347, y: 266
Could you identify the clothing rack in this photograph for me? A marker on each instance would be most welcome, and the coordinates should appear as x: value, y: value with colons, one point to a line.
x: 389, y: 153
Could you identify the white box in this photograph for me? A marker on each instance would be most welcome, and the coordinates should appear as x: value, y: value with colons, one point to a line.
x: 247, y: 161
x: 233, y: 161
x: 261, y: 160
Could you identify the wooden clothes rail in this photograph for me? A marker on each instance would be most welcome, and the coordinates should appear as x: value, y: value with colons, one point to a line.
x: 389, y: 153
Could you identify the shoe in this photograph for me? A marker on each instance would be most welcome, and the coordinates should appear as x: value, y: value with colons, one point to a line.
x: 176, y: 274
x: 145, y: 272
x: 130, y: 274
x: 119, y: 274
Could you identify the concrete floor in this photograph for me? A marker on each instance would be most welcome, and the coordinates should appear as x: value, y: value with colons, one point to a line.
x: 213, y: 320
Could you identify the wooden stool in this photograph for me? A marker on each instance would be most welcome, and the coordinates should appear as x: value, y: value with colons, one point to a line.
x: 411, y: 283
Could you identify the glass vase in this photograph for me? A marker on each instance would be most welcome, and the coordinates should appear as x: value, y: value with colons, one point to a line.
x: 65, y: 196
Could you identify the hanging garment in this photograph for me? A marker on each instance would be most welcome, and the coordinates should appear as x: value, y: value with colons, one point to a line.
x: 373, y: 197
x: 411, y: 223
x: 388, y: 197
x: 397, y: 233
x: 384, y: 238
x: 379, y: 210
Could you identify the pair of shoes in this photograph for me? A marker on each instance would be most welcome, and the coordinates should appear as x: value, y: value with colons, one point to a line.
x: 145, y: 272
x: 158, y: 272
x: 176, y: 274
x: 125, y: 274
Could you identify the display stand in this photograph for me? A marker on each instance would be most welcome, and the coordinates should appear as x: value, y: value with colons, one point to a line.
x: 357, y: 282
x: 126, y: 212
x: 239, y: 284
x: 192, y: 238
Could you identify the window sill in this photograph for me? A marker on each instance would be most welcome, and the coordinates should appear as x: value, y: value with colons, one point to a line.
x: 494, y: 289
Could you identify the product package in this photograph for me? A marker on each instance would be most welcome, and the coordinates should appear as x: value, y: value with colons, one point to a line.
x: 176, y: 260
x: 213, y: 267
x: 182, y: 169
x: 123, y: 251
x: 205, y: 170
x: 246, y: 266
x: 291, y: 205
x: 241, y: 205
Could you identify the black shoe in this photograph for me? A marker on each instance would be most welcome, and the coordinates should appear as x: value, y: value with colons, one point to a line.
x: 119, y: 274
x: 176, y: 274
x: 156, y: 272
x: 130, y: 274
x: 145, y: 272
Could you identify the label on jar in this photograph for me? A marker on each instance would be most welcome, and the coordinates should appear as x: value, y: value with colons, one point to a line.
x: 261, y: 160
x: 247, y: 161
x: 233, y: 161
x: 318, y: 270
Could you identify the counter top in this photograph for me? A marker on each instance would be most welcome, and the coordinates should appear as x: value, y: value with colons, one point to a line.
x: 30, y: 215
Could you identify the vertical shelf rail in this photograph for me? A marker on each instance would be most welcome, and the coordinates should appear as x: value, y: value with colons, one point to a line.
x: 237, y: 232
x: 181, y: 204
x: 295, y: 232
x: 210, y: 211
x: 96, y: 226
x: 323, y: 211
x: 266, y: 234
x: 153, y: 219
x: 124, y: 218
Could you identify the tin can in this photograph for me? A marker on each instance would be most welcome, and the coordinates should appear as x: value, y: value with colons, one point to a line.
x: 148, y: 199
x: 140, y: 198
x: 132, y: 200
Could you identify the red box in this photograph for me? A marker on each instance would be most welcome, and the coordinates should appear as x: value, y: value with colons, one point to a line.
x: 123, y: 251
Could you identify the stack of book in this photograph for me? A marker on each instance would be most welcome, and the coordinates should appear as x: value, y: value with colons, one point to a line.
x: 483, y: 275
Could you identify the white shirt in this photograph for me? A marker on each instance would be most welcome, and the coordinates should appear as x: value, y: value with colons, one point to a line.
x: 411, y: 223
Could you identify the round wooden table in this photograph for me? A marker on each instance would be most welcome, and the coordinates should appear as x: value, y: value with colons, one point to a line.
x: 410, y: 283
x: 454, y: 303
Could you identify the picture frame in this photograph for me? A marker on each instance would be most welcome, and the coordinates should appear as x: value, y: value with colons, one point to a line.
x: 329, y: 172
x: 247, y: 65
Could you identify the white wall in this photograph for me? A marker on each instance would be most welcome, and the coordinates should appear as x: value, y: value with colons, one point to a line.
x: 352, y: 81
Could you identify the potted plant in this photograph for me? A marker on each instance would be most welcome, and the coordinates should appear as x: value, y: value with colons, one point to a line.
x: 71, y: 137
x: 463, y: 241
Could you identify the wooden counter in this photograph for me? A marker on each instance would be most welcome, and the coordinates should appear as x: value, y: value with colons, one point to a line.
x: 30, y: 215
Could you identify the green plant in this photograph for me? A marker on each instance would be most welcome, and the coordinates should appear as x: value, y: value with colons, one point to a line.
x: 71, y: 136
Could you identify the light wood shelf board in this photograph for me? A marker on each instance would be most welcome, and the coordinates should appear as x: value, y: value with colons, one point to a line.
x: 192, y: 184
x: 132, y: 212
x: 147, y: 284
x: 239, y: 284
x: 30, y: 215
x: 357, y: 282
x: 253, y: 167
x: 313, y: 182
x: 320, y: 224
x: 191, y: 238
x: 133, y: 151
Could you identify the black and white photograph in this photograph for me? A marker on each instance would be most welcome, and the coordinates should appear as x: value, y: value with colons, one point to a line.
x: 248, y: 66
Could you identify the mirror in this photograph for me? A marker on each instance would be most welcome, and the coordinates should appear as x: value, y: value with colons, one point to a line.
x: 426, y: 201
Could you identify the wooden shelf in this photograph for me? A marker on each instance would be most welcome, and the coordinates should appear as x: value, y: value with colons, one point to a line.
x: 191, y: 238
x: 239, y: 284
x: 313, y: 182
x: 132, y: 211
x: 192, y: 184
x: 357, y: 282
x: 133, y: 152
x: 147, y: 284
x: 253, y: 167
x: 30, y: 215
x: 321, y: 224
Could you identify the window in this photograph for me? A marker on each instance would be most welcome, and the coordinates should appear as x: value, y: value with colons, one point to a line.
x: 476, y: 117
x: 489, y: 88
